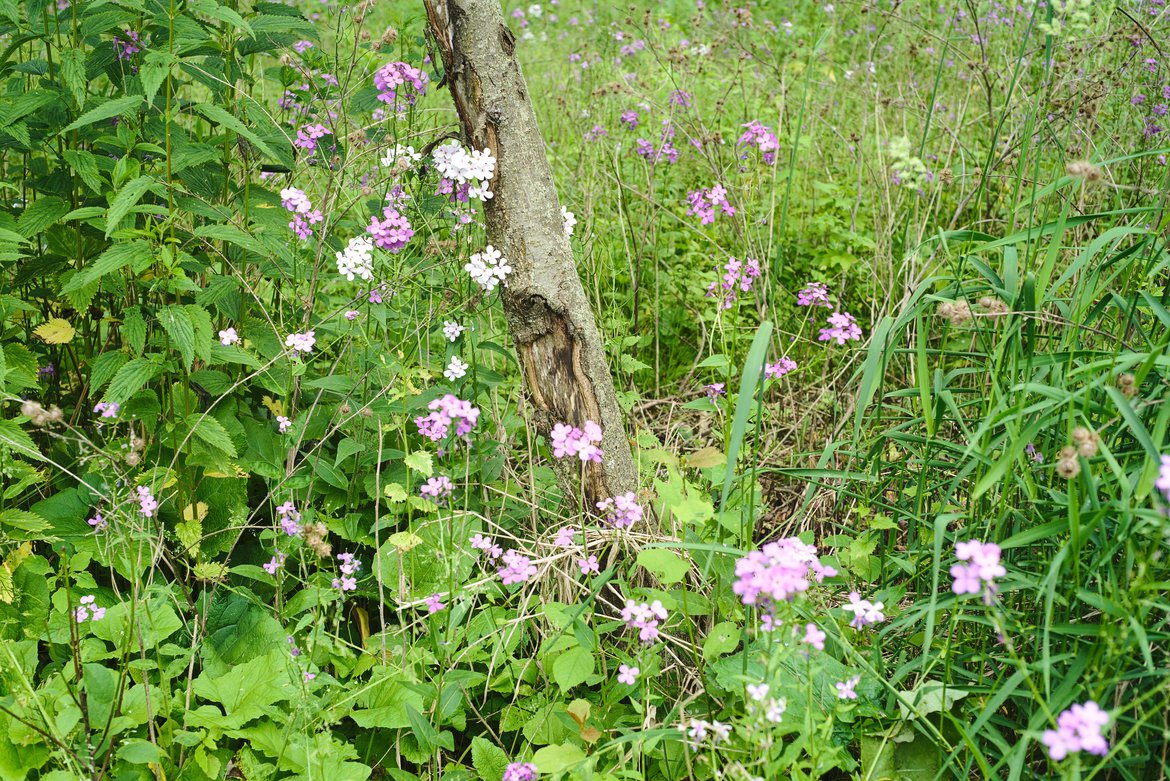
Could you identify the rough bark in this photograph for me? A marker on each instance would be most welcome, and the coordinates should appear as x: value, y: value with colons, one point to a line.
x: 557, y: 340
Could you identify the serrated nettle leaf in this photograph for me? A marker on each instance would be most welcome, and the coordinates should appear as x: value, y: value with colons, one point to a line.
x: 132, y: 377
x: 106, y: 108
x: 117, y: 257
x: 176, y: 321
x: 127, y: 197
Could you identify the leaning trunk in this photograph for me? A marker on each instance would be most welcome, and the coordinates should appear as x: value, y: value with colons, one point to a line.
x: 557, y: 340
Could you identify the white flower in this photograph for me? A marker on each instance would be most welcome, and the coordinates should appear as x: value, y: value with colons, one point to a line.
x: 456, y: 369
x: 488, y: 268
x: 776, y: 710
x: 570, y: 220
x: 452, y: 330
x: 757, y: 693
x: 397, y: 154
x: 357, y: 259
x: 535, y: 10
x: 228, y: 337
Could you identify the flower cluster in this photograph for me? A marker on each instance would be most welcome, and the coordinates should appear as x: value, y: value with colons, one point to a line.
x: 290, y: 519
x: 813, y: 294
x: 700, y: 730
x: 107, y: 409
x: 126, y: 45
x: 484, y: 543
x: 301, y: 343
x: 703, y: 203
x: 488, y: 268
x: 307, y: 136
x: 864, y: 611
x: 394, y: 75
x: 980, y: 571
x: 456, y: 369
x: 88, y: 611
x: 846, y: 690
x: 644, y: 617
x: 580, y: 442
x: 464, y: 175
x: 517, y: 568
x: 665, y: 150
x: 393, y: 231
x: 778, y: 572
x: 349, y: 567
x: 453, y: 330
x: 357, y: 259
x: 841, y: 328
x: 773, y: 709
x: 445, y: 411
x: 302, y: 210
x: 1078, y: 729
x: 737, y: 278
x: 762, y: 138
x: 621, y: 511
x: 520, y: 771
x: 774, y: 371
x: 438, y: 488
x: 570, y: 220
x: 147, y: 504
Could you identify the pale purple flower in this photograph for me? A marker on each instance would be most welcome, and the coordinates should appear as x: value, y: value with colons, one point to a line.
x: 842, y: 327
x: 483, y: 543
x: 774, y: 371
x: 274, y: 563
x: 438, y: 488
x: 520, y: 771
x: 308, y: 676
x: 295, y: 200
x: 393, y: 76
x: 434, y: 603
x: 845, y: 689
x: 126, y: 44
x: 443, y: 413
x: 813, y: 294
x: 814, y: 637
x: 98, y: 522
x: 300, y: 47
x: 589, y: 565
x: 107, y: 409
x: 621, y: 511
x: 146, y: 501
x: 980, y: 571
x: 645, y: 617
x: 517, y: 568
x: 738, y: 277
x: 1163, y: 481
x: 715, y: 390
x: 228, y: 337
x: 307, y: 136
x: 88, y: 611
x: 628, y: 675
x: 570, y: 441
x: 564, y: 538
x: 1078, y: 729
x: 301, y: 343
x: 349, y: 567
x: 762, y: 138
x: 352, y: 314
x: 290, y: 519
x: 864, y: 611
x: 757, y: 692
x: 778, y: 572
x: 452, y: 330
x: 283, y: 423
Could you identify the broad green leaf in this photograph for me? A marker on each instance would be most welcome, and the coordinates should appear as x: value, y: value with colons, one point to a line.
x: 488, y: 759
x: 176, y: 321
x: 421, y: 462
x: 131, y: 378
x: 667, y: 566
x: 108, y: 110
x: 722, y: 639
x: 218, y: 116
x: 118, y: 256
x: 572, y: 668
x: 557, y: 757
x: 246, y: 691
x: 210, y: 431
x: 126, y: 199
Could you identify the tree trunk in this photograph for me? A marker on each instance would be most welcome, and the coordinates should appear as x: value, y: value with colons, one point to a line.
x: 557, y: 340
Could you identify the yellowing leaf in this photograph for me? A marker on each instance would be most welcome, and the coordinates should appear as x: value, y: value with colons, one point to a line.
x: 55, y: 331
x: 405, y: 541
x: 420, y: 462
x: 193, y: 511
x: 275, y: 406
x: 707, y: 457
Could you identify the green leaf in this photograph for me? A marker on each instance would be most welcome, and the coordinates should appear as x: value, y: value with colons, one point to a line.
x: 73, y: 72
x: 421, y: 462
x: 117, y: 257
x: 752, y: 371
x: 139, y: 752
x: 130, y: 379
x: 14, y: 437
x: 155, y: 68
x: 126, y: 199
x: 558, y: 757
x: 211, y: 432
x: 488, y: 759
x: 107, y: 110
x: 572, y: 668
x: 666, y: 565
x: 134, y: 329
x: 247, y: 690
x: 176, y: 321
x: 42, y: 213
x: 218, y: 116
x: 104, y: 368
x: 722, y: 639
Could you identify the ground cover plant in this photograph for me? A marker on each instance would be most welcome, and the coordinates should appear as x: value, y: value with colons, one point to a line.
x: 881, y: 290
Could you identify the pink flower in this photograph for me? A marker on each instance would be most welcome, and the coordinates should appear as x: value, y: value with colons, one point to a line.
x: 283, y: 423
x: 644, y: 617
x: 520, y: 771
x: 778, y: 572
x: 1163, y: 481
x: 814, y: 637
x: 571, y: 441
x: 813, y: 294
x: 762, y: 138
x: 391, y: 233
x: 307, y: 136
x: 517, y: 568
x: 438, y: 488
x: 274, y: 563
x: 290, y: 519
x: 445, y: 412
x: 774, y: 371
x: 979, y: 574
x: 301, y: 343
x: 628, y: 675
x: 146, y: 501
x: 842, y: 327
x: 1078, y: 729
x: 228, y: 337
x: 564, y: 538
x: 864, y: 611
x: 434, y: 603
x: 98, y: 522
x: 394, y: 75
x: 588, y: 565
x: 88, y: 611
x: 621, y: 511
x: 845, y: 689
x: 107, y: 409
x: 738, y: 277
